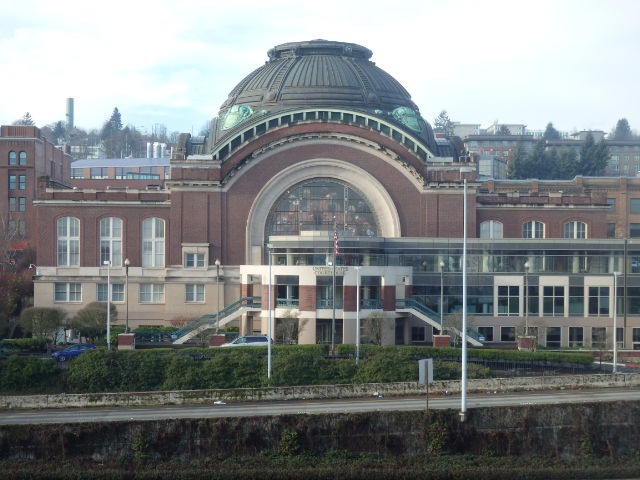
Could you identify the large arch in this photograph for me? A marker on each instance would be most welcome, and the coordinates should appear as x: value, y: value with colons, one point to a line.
x: 378, y: 198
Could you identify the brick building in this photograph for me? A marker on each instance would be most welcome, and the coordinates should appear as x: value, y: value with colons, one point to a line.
x: 320, y: 183
x: 28, y: 162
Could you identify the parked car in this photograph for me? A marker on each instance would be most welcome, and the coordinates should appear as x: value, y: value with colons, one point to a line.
x: 249, y: 341
x: 72, y: 352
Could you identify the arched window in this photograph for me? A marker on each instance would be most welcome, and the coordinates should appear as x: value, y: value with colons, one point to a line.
x: 13, y: 159
x: 68, y: 236
x: 23, y: 158
x: 111, y: 241
x: 153, y: 232
x: 575, y: 229
x: 322, y: 204
x: 491, y: 229
x: 533, y: 229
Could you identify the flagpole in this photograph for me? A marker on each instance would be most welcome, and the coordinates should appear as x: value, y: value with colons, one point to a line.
x: 333, y: 318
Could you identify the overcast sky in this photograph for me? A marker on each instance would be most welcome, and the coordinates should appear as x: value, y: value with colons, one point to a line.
x: 573, y: 63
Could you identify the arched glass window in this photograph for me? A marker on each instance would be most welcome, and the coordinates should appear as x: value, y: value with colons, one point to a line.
x: 111, y: 241
x: 322, y: 204
x: 533, y: 229
x: 23, y: 158
x: 68, y: 237
x: 153, y: 233
x: 13, y: 159
x: 491, y: 229
x: 575, y: 229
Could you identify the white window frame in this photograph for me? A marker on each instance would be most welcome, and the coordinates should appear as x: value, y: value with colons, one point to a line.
x: 575, y: 229
x: 194, y: 260
x: 117, y: 292
x: 153, y: 242
x: 151, y: 293
x: 68, y: 241
x: 67, y: 292
x: 531, y: 229
x: 491, y: 229
x: 111, y: 241
x: 194, y: 293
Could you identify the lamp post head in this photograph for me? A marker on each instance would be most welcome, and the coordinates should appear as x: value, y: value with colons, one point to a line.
x: 127, y: 262
x: 217, y: 262
x: 441, y: 265
x: 526, y: 266
x: 107, y: 263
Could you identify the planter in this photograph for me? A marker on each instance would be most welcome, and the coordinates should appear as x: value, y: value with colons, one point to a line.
x: 527, y: 343
x: 217, y: 340
x: 126, y: 341
x: 442, y: 340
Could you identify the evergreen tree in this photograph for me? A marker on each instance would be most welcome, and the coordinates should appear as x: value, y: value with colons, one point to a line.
x: 550, y: 133
x: 443, y: 124
x: 25, y: 120
x: 593, y: 157
x: 504, y: 130
x: 622, y: 131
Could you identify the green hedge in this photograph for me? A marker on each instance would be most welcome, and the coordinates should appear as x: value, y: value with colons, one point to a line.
x: 104, y: 370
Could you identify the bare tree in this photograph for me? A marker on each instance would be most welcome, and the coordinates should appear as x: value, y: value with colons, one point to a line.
x: 376, y: 327
x: 42, y: 322
x: 288, y: 326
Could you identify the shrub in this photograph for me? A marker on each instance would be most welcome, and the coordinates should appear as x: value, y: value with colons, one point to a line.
x: 28, y: 374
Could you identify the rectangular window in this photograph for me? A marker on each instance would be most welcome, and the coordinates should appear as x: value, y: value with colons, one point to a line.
x: 194, y: 293
x: 151, y: 293
x: 599, y: 301
x: 598, y: 337
x: 77, y: 173
x: 507, y: 334
x: 487, y: 333
x: 576, y: 336
x: 553, y: 301
x: 611, y: 230
x: 13, y: 204
x: 636, y: 339
x: 576, y: 301
x: 194, y: 260
x: 22, y: 204
x: 99, y: 173
x: 612, y: 204
x: 554, y: 337
x: 533, y: 296
x: 418, y: 334
x: 117, y: 292
x: 68, y: 292
x: 22, y: 182
x: 634, y: 230
x: 508, y: 300
x: 13, y: 182
x: 634, y: 205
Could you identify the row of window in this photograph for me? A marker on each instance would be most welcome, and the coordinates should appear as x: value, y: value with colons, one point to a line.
x: 17, y: 204
x: 596, y: 300
x: 148, y: 292
x: 153, y: 242
x: 122, y: 173
x: 532, y: 229
x: 17, y: 158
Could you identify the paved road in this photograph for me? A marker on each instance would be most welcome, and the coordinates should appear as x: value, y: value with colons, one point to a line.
x: 242, y: 409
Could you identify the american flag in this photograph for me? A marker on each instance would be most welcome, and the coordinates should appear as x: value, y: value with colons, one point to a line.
x: 336, y: 242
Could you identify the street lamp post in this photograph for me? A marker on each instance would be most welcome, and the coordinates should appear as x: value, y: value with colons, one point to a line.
x: 615, y: 323
x: 217, y: 263
x: 126, y: 294
x: 441, y: 296
x: 357, y: 314
x: 108, y: 264
x: 269, y: 247
x: 526, y: 298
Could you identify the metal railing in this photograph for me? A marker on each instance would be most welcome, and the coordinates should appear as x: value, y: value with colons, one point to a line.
x: 214, y: 318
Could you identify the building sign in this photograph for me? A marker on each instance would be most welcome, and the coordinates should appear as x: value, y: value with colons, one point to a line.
x: 325, y: 271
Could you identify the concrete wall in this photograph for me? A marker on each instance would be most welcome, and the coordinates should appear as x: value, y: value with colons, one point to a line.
x: 183, y: 397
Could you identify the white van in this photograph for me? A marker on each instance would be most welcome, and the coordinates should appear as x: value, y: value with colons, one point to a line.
x: 249, y: 341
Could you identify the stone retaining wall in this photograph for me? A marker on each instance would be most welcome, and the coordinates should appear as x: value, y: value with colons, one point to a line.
x: 317, y: 391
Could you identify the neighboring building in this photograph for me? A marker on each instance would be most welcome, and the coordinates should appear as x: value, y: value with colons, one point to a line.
x: 503, y: 146
x: 120, y: 172
x: 28, y: 159
x: 318, y: 175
